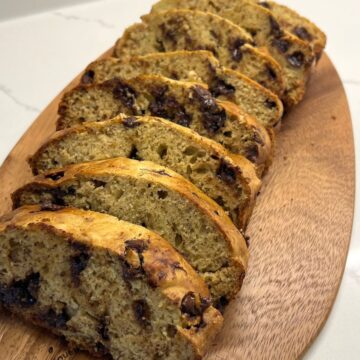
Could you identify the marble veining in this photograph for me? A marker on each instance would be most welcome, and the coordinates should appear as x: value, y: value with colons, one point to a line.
x: 100, y: 22
x: 9, y: 93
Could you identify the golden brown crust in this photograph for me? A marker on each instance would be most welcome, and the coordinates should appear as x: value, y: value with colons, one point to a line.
x: 158, y: 174
x: 126, y: 46
x: 106, y: 232
x: 246, y: 171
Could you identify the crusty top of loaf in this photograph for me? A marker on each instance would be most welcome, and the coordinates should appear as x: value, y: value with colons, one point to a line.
x: 161, y: 175
x: 165, y: 268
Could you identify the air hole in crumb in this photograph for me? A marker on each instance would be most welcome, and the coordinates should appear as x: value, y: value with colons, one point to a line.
x: 189, y: 151
x: 178, y: 239
x: 228, y: 134
x: 162, y: 151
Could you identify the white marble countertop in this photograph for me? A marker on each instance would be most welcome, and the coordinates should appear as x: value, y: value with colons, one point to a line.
x: 41, y: 53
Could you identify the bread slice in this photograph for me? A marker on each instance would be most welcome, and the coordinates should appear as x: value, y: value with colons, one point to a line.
x: 109, y: 287
x: 298, y: 25
x: 294, y: 55
x: 198, y: 159
x: 186, y: 104
x: 195, y: 30
x: 198, y: 66
x: 159, y: 199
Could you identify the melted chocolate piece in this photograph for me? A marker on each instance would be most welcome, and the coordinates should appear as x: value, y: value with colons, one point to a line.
x: 142, y: 312
x: 192, y: 306
x: 226, y: 172
x: 252, y: 153
x: 213, y: 116
x: 78, y: 262
x: 235, y: 49
x: 220, y: 87
x: 296, y: 59
x: 131, y: 122
x: 302, y: 33
x: 271, y: 73
x: 275, y: 28
x: 98, y: 183
x: 167, y: 107
x: 281, y: 44
x: 221, y: 304
x: 21, y: 293
x: 103, y: 329
x: 123, y: 92
x: 88, y: 77
x: 55, y: 320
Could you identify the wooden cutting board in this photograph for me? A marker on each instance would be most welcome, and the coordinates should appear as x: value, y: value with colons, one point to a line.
x: 300, y: 234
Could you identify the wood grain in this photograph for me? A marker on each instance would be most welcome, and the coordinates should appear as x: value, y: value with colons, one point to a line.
x: 300, y: 234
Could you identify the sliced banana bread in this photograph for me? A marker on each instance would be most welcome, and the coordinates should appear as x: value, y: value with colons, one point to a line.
x: 184, y: 103
x: 198, y: 66
x: 159, y: 199
x: 198, y: 159
x: 195, y: 30
x: 109, y: 287
x: 298, y: 25
x: 294, y: 55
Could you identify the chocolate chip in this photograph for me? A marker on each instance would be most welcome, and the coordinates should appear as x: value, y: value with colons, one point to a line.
x: 103, y: 328
x: 281, y: 44
x: 252, y: 153
x: 62, y: 110
x: 21, y: 293
x: 302, y: 33
x: 55, y: 320
x: 194, y: 305
x: 131, y: 122
x: 271, y: 73
x: 98, y: 183
x: 270, y: 104
x: 138, y: 245
x: 123, y: 92
x: 213, y: 116
x: 167, y: 107
x: 142, y: 312
x: 78, y: 264
x: 226, y: 172
x: 220, y: 87
x: 88, y: 77
x: 235, y: 49
x: 296, y: 59
x: 170, y: 29
x: 275, y: 28
x: 55, y: 176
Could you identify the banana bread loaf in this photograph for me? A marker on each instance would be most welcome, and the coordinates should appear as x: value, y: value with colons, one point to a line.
x: 294, y: 55
x: 194, y: 30
x: 159, y: 199
x: 198, y: 66
x: 198, y: 159
x: 109, y: 287
x: 301, y: 27
x: 186, y: 104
